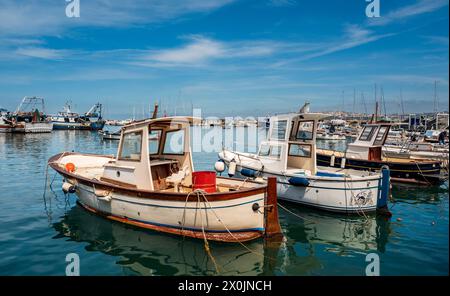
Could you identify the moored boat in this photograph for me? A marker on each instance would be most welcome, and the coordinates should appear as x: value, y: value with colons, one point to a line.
x: 366, y: 154
x: 30, y: 117
x: 151, y: 183
x: 69, y: 120
x: 290, y: 155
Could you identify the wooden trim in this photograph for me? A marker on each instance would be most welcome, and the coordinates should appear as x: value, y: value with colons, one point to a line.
x: 118, y: 183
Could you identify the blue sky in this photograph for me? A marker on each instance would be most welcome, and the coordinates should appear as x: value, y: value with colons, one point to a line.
x: 228, y: 57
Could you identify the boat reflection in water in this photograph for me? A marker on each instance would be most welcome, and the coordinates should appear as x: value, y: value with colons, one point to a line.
x: 150, y: 253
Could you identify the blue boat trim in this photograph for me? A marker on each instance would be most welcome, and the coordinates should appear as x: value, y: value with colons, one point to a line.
x: 330, y: 188
x: 337, y: 209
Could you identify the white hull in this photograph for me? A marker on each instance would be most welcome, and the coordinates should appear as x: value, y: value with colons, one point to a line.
x: 165, y: 213
x: 37, y: 127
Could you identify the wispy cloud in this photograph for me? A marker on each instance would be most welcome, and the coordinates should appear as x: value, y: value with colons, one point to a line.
x: 282, y: 3
x: 47, y: 17
x: 42, y: 53
x: 401, y: 14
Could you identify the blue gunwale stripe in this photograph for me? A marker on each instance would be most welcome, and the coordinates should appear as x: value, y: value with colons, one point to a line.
x: 330, y: 188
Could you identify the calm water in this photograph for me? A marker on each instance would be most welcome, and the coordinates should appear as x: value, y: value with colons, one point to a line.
x: 37, y: 232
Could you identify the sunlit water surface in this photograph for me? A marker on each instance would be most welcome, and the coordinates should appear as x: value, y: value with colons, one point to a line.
x: 38, y: 232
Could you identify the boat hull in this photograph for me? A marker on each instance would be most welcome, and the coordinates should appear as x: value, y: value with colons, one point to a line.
x: 177, y: 217
x: 93, y: 126
x: 33, y: 127
x: 404, y: 172
x: 351, y: 197
x: 228, y: 216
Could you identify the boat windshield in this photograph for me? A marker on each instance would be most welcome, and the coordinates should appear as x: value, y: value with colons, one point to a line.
x: 367, y: 133
x: 279, y: 130
x: 131, y: 146
x: 154, y: 138
x: 305, y: 130
x: 270, y: 150
x: 174, y: 143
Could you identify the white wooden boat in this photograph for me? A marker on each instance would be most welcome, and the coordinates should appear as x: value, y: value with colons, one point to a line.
x: 290, y: 155
x: 151, y: 183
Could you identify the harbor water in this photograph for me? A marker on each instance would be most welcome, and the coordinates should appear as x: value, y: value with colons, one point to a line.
x: 38, y: 230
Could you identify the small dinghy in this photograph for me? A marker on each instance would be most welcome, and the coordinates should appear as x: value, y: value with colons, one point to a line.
x: 289, y: 154
x: 110, y: 136
x: 151, y: 183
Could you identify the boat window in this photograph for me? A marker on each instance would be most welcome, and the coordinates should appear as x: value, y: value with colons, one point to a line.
x: 264, y: 150
x: 154, y: 138
x: 305, y: 130
x: 275, y: 151
x: 271, y: 151
x: 174, y: 143
x: 131, y: 146
x: 300, y: 150
x: 367, y: 133
x: 380, y: 135
x: 279, y: 130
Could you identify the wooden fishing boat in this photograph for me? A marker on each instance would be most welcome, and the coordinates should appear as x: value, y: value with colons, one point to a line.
x: 290, y: 155
x: 366, y: 154
x: 151, y: 183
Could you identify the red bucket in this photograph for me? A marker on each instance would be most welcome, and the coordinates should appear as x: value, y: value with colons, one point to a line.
x: 204, y: 180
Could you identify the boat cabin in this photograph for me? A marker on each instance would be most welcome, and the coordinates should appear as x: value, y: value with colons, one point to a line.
x: 291, y: 143
x: 153, y: 155
x: 369, y: 143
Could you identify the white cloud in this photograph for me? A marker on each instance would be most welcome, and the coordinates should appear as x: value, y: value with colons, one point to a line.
x: 47, y: 17
x: 199, y: 51
x: 42, y: 53
x: 420, y: 7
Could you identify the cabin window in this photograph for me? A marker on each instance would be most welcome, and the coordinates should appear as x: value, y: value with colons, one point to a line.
x: 264, y: 150
x: 367, y: 133
x: 380, y: 136
x: 131, y: 146
x: 300, y: 150
x: 305, y: 130
x: 154, y: 138
x: 174, y: 142
x: 279, y: 130
x: 271, y: 151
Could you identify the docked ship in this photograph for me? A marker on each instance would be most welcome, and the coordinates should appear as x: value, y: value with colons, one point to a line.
x: 30, y: 117
x: 69, y: 120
